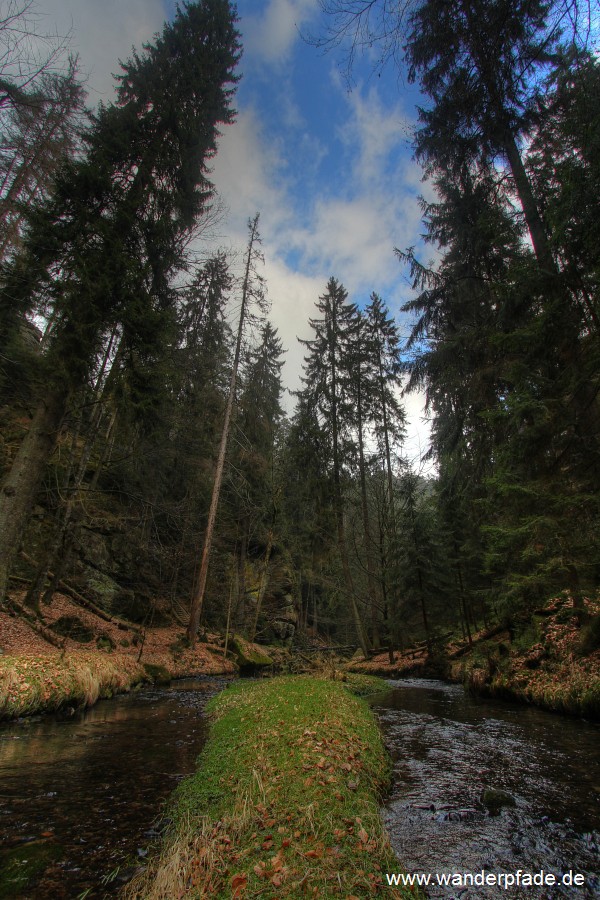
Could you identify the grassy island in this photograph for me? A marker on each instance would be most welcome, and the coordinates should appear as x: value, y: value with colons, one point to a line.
x: 285, y: 801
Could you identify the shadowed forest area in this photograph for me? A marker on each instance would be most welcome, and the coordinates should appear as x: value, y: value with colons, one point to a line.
x: 148, y: 466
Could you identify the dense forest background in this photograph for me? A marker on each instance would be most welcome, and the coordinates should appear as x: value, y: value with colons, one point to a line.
x: 124, y: 384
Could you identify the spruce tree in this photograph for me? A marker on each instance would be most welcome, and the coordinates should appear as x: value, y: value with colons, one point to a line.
x: 326, y: 378
x: 103, y: 250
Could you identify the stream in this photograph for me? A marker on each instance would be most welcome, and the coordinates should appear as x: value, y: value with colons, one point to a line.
x: 81, y: 794
x: 448, y: 748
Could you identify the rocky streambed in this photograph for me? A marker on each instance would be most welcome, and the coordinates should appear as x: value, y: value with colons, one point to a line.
x: 487, y: 786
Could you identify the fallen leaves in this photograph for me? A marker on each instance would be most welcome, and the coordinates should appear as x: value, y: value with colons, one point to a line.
x: 238, y: 885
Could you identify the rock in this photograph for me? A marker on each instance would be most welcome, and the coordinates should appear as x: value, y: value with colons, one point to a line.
x: 249, y: 656
x: 72, y: 627
x: 94, y: 549
x: 494, y: 799
x: 284, y: 630
x: 459, y: 815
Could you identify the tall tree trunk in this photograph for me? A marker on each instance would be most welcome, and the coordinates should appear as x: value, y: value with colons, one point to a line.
x: 339, y: 510
x: 240, y: 600
x: 372, y: 587
x: 22, y: 483
x: 535, y: 225
x: 529, y: 205
x: 198, y: 599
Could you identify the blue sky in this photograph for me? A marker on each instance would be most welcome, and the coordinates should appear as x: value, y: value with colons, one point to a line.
x: 329, y: 170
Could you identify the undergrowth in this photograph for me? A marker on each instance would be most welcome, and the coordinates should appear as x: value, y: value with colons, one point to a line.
x: 284, y: 802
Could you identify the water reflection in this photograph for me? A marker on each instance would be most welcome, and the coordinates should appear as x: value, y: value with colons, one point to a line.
x: 449, y: 747
x: 83, y: 793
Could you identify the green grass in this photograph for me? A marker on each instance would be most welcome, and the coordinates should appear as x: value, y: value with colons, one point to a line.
x: 285, y: 802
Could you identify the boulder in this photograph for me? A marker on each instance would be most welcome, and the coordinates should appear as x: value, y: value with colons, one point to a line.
x: 249, y: 656
x: 494, y: 799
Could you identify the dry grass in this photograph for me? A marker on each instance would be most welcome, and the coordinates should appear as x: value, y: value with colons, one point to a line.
x: 31, y: 684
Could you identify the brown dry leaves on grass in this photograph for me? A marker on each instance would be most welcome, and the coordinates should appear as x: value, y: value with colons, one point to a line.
x: 562, y: 675
x: 17, y: 638
x: 290, y: 811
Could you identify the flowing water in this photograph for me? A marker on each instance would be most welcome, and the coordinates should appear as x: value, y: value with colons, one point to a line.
x: 81, y: 795
x: 449, y: 748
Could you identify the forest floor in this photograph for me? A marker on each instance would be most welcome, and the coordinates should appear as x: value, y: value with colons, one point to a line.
x: 35, y: 675
x: 551, y: 662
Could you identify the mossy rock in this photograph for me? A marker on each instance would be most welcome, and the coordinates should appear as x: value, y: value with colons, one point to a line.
x: 590, y: 637
x: 105, y: 642
x: 249, y: 656
x: 72, y: 627
x: 158, y: 674
x: 494, y: 799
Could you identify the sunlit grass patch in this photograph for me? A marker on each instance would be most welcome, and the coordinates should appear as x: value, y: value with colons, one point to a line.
x: 285, y: 802
x: 31, y: 684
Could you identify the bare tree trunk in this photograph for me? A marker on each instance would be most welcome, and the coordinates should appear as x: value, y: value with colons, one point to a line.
x: 240, y: 600
x: 372, y: 587
x: 198, y: 599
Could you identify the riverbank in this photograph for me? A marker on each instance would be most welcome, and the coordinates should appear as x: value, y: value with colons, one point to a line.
x: 285, y: 802
x: 550, y: 662
x: 553, y: 663
x: 97, y: 659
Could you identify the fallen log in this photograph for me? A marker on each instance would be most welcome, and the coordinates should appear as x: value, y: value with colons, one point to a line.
x: 82, y: 600
x: 490, y: 633
x: 35, y: 624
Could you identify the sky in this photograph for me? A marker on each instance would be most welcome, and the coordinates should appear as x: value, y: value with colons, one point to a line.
x: 329, y: 169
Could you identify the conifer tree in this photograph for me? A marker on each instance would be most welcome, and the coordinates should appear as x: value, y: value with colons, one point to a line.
x: 326, y: 379
x: 103, y: 250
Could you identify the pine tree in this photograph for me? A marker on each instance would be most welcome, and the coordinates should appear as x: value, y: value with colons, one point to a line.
x: 389, y: 428
x: 103, y: 250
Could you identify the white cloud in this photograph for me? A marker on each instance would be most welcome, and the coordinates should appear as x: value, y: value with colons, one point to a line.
x: 379, y: 134
x: 271, y: 34
x: 310, y: 230
x: 103, y: 31
x: 308, y: 237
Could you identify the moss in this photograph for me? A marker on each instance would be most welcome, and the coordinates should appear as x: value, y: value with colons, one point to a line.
x: 158, y: 674
x: 590, y: 636
x: 494, y: 800
x: 105, y: 642
x: 20, y: 865
x: 249, y: 655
